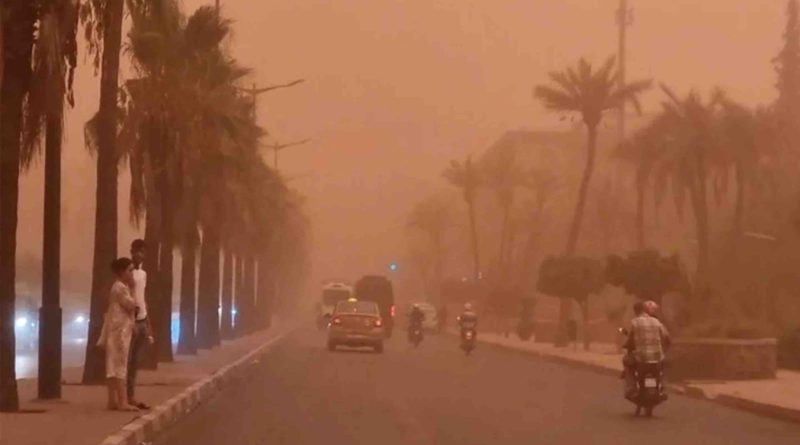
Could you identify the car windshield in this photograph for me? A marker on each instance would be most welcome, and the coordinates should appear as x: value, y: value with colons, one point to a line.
x: 357, y: 307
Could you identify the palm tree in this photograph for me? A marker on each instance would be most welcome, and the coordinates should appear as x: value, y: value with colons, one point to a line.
x: 104, y: 25
x: 542, y: 183
x: 18, y: 35
x: 432, y: 219
x: 643, y: 150
x: 54, y: 63
x: 503, y: 175
x: 226, y: 303
x: 188, y: 303
x: 691, y: 131
x: 743, y: 132
x: 466, y: 177
x: 590, y: 93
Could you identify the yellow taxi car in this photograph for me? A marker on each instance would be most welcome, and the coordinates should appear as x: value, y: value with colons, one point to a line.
x: 356, y: 323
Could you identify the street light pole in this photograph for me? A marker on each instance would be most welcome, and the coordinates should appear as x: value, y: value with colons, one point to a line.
x: 278, y: 147
x: 255, y: 91
x: 624, y: 20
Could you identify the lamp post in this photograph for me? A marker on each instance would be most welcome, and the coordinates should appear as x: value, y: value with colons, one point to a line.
x: 276, y: 148
x: 624, y: 20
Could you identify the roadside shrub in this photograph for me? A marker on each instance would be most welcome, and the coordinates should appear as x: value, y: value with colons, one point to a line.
x: 728, y: 329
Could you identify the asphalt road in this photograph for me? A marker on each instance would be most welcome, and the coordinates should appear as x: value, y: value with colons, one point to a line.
x: 302, y: 394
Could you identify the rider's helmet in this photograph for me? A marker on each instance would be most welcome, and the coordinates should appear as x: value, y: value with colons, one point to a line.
x: 650, y: 307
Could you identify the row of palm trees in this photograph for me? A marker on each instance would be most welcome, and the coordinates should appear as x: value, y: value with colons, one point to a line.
x: 198, y: 182
x: 691, y: 149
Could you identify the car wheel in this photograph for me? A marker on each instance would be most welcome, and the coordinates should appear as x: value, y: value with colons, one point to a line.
x: 379, y: 348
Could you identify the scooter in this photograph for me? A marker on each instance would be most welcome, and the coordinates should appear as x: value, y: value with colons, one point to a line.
x: 468, y: 340
x: 323, y: 321
x: 650, y: 388
x: 415, y: 335
x: 650, y: 391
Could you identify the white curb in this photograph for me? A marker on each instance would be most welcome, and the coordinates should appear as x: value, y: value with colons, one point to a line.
x: 147, y: 426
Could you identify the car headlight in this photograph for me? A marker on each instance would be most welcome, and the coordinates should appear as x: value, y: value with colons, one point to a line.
x: 22, y: 322
x: 80, y: 319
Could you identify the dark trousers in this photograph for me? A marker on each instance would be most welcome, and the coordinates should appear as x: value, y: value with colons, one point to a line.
x: 138, y: 341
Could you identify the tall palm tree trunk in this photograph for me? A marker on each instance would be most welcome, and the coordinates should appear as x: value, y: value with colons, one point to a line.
x: 641, y: 185
x: 18, y: 27
x: 698, y: 195
x: 473, y: 225
x: 241, y: 300
x: 226, y: 322
x: 249, y: 291
x: 208, y: 289
x: 504, y: 240
x: 188, y: 306
x: 565, y: 304
x: 50, y: 315
x: 151, y: 267
x: 266, y: 291
x: 738, y: 216
x: 105, y: 231
x: 163, y: 321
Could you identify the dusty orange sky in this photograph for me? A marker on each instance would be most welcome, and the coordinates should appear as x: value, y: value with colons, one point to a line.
x: 396, y: 88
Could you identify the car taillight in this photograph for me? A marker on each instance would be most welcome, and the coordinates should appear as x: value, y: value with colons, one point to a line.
x: 337, y: 320
x: 394, y: 310
x: 378, y: 323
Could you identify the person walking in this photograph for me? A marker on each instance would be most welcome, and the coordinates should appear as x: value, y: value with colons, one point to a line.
x: 116, y: 334
x: 142, y: 330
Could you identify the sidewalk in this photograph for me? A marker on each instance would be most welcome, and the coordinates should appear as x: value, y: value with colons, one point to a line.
x: 779, y: 397
x: 81, y: 418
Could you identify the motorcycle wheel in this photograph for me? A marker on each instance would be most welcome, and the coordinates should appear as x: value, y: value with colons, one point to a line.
x: 638, y: 410
x: 648, y: 411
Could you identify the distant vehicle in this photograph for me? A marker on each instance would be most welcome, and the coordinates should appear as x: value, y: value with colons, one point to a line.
x: 415, y: 335
x: 431, y: 322
x: 468, y: 340
x: 332, y: 293
x: 378, y: 289
x: 356, y: 324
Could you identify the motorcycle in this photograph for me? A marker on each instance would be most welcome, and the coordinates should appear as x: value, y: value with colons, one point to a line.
x: 323, y: 321
x: 468, y: 340
x: 649, y: 391
x: 415, y: 334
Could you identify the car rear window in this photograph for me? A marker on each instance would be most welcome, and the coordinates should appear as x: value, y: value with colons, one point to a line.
x: 357, y: 307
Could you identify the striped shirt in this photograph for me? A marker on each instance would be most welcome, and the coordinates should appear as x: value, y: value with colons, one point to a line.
x: 648, y: 334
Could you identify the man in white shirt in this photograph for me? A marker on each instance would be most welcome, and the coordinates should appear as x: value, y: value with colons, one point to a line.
x: 142, y: 332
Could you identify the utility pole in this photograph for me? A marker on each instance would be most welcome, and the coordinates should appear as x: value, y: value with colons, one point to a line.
x: 255, y: 91
x: 624, y: 20
x: 278, y: 147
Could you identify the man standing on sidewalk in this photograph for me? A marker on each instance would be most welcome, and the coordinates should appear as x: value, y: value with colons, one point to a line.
x: 142, y: 332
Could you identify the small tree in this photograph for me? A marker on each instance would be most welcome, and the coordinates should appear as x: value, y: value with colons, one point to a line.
x: 646, y: 274
x: 576, y: 278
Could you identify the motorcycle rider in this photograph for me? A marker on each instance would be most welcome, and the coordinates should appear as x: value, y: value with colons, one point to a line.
x: 415, y: 319
x: 468, y: 319
x: 646, y: 342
